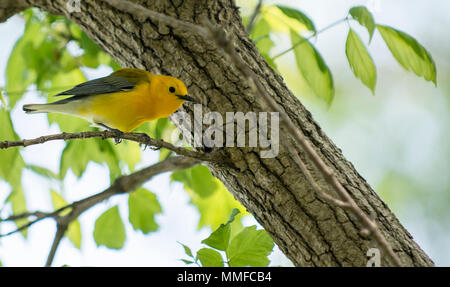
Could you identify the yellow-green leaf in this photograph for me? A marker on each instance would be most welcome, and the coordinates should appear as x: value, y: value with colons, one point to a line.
x: 18, y: 74
x: 360, y: 61
x: 11, y: 159
x: 220, y: 238
x: 19, y: 205
x: 299, y: 16
x: 279, y: 21
x: 142, y: 208
x: 187, y: 250
x: 313, y: 68
x: 77, y: 154
x: 250, y: 248
x: 109, y: 229
x: 211, y: 213
x: 129, y: 152
x: 74, y: 229
x: 364, y: 17
x: 409, y: 53
x: 210, y: 257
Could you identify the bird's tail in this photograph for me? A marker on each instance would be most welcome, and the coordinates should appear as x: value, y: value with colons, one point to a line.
x: 56, y: 107
x: 37, y: 108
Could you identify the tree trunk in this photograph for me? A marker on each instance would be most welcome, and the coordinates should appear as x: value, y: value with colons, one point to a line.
x: 308, y: 229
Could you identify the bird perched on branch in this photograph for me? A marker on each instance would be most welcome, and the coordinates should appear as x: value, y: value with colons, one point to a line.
x: 121, y: 101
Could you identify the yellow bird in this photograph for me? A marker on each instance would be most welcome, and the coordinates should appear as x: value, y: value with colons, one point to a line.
x: 121, y: 101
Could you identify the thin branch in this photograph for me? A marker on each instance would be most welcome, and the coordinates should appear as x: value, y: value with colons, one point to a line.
x: 140, y: 11
x: 37, y: 215
x: 219, y: 37
x: 136, y: 137
x: 311, y: 181
x: 310, y: 37
x: 60, y: 230
x: 251, y: 22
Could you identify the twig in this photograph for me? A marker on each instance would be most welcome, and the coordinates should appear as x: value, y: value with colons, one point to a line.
x: 219, y: 37
x: 310, y: 37
x: 138, y: 10
x: 311, y: 181
x: 60, y: 230
x: 251, y: 22
x: 136, y: 137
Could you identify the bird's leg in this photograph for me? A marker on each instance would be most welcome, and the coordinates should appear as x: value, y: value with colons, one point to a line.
x: 118, y: 133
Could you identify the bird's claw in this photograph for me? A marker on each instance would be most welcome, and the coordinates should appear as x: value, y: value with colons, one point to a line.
x: 118, y: 137
x: 146, y: 141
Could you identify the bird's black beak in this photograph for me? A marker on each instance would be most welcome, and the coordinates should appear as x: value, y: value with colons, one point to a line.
x: 187, y: 98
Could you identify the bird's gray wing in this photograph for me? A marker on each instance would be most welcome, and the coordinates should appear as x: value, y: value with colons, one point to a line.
x: 105, y: 85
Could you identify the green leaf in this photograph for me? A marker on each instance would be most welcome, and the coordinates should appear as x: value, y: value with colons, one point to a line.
x: 42, y: 171
x: 260, y: 35
x: 11, y: 159
x: 250, y: 248
x: 187, y: 250
x: 202, y: 181
x: 211, y: 213
x: 130, y: 153
x: 220, y: 238
x: 74, y: 233
x: 19, y: 205
x: 364, y: 18
x: 109, y: 229
x: 77, y: 154
x: 409, y: 53
x: 298, y: 15
x: 313, y: 68
x: 142, y: 208
x: 75, y: 31
x: 18, y: 74
x: 160, y: 127
x: 210, y: 257
x: 360, y: 61
x: 279, y: 22
x: 199, y: 179
x: 74, y: 229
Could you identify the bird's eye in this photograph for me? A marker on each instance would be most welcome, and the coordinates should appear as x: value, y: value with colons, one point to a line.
x: 172, y: 89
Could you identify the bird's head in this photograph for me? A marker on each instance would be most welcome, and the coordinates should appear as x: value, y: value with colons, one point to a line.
x: 176, y: 88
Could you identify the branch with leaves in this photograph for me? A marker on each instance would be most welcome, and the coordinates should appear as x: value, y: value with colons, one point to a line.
x: 122, y: 185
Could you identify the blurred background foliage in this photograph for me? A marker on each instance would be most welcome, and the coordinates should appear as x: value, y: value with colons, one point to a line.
x: 397, y: 138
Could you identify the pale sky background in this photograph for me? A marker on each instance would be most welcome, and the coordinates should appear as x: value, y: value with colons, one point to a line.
x: 394, y: 116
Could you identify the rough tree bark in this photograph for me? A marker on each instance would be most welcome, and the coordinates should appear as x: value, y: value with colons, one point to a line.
x: 309, y: 230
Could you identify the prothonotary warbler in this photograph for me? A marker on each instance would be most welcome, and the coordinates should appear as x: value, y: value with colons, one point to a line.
x: 121, y: 101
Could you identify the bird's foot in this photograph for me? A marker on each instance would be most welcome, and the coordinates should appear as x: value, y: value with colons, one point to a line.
x: 118, y: 137
x: 117, y: 132
x: 146, y: 141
